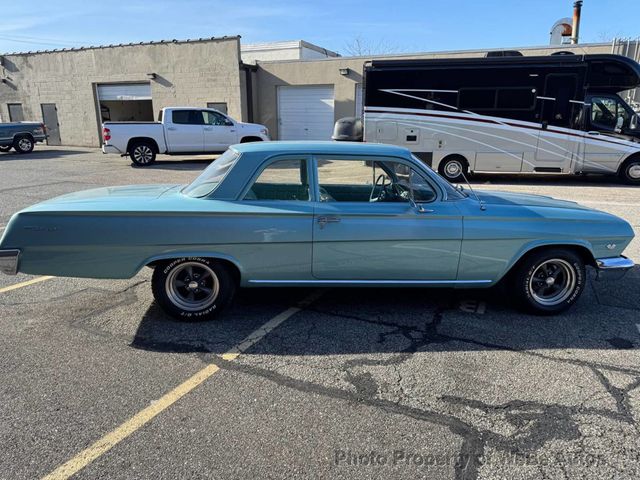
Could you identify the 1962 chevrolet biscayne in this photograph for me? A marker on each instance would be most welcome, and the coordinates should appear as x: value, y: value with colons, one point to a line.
x: 329, y: 214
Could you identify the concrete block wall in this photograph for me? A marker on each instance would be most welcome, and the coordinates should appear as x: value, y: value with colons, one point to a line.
x: 189, y: 73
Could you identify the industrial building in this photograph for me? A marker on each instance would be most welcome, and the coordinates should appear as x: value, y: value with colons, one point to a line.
x: 297, y: 89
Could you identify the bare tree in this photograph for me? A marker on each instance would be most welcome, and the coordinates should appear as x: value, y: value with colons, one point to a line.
x: 361, y: 47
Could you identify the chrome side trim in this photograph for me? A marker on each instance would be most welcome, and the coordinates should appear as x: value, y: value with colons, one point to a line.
x: 614, y: 263
x: 372, y: 282
x: 9, y: 261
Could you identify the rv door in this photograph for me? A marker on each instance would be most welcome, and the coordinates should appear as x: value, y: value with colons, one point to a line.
x: 559, y: 144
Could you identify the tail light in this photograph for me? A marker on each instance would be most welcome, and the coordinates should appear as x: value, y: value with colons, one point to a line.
x: 106, y: 134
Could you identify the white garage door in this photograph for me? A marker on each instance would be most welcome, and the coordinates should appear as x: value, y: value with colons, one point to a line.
x: 305, y: 113
x: 124, y: 91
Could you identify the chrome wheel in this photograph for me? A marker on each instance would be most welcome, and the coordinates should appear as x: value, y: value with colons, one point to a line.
x: 25, y: 144
x: 552, y: 282
x: 143, y: 154
x: 192, y: 286
x: 453, y: 168
x: 634, y: 171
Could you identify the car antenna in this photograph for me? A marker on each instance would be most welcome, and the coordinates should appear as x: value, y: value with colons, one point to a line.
x: 483, y: 206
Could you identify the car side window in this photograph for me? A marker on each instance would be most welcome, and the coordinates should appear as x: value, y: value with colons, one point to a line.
x: 281, y: 180
x: 372, y: 181
x: 215, y: 118
x: 187, y: 117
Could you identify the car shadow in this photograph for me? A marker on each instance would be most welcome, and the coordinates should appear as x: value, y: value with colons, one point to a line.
x: 186, y: 164
x: 400, y: 320
x: 48, y: 154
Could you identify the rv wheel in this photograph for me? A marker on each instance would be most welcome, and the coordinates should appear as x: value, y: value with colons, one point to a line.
x: 454, y: 168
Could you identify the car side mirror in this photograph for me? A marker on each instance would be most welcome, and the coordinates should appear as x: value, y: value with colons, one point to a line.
x: 228, y: 123
x: 633, y: 124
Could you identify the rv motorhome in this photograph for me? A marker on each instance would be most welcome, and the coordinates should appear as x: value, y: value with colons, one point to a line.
x: 551, y: 114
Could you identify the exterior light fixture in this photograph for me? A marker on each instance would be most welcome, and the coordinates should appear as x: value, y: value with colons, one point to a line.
x: 344, y: 71
x: 152, y: 76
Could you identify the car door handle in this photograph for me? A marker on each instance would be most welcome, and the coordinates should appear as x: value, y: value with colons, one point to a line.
x: 171, y: 128
x: 323, y: 220
x: 593, y: 133
x: 208, y: 129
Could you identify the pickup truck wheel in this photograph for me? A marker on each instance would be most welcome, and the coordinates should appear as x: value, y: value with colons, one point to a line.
x: 142, y: 154
x: 5, y: 148
x: 549, y: 281
x: 630, y: 171
x: 192, y: 289
x: 23, y: 144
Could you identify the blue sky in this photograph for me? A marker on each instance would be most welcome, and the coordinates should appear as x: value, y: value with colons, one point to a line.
x: 386, y: 26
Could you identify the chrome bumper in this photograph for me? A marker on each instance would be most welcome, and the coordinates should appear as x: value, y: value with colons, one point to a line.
x: 613, y: 267
x: 9, y: 261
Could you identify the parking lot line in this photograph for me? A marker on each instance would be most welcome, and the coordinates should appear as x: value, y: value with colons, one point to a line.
x: 25, y: 284
x: 144, y: 416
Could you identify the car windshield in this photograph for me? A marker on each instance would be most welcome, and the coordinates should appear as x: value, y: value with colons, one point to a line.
x: 453, y: 191
x: 208, y: 180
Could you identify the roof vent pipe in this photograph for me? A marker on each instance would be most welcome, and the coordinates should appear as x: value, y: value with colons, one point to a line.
x: 577, y: 8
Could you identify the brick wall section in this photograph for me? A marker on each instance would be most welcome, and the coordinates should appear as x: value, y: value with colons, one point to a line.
x: 189, y: 73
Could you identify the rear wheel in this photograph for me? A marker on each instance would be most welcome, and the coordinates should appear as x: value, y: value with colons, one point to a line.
x: 142, y: 153
x: 630, y: 171
x: 549, y: 281
x: 453, y: 168
x: 193, y: 289
x: 23, y: 144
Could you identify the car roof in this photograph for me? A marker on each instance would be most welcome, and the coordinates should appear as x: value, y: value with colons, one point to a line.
x: 347, y: 148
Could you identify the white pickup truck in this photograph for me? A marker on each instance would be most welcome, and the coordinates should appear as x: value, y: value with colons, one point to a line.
x: 179, y: 131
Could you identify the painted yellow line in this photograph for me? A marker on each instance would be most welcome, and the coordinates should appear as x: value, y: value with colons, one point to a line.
x: 143, y: 417
x: 25, y: 284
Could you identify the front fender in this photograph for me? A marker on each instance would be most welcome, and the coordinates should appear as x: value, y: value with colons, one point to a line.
x: 528, y: 247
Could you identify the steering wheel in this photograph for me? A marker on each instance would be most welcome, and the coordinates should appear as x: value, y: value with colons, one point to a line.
x: 389, y: 192
x: 383, y: 189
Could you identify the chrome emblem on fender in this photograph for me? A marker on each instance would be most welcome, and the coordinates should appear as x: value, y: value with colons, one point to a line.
x: 611, y: 246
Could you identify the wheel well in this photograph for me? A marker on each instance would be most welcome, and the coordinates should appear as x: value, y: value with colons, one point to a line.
x: 143, y: 139
x: 22, y: 134
x: 635, y: 156
x: 583, y: 252
x: 250, y: 139
x: 232, y: 267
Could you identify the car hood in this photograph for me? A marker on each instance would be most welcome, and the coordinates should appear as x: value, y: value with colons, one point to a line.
x: 251, y: 126
x: 526, y: 200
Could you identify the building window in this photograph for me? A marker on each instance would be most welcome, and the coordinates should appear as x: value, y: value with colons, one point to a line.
x: 220, y: 106
x: 16, y: 114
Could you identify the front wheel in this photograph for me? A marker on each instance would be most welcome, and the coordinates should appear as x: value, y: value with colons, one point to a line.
x: 630, y: 172
x: 23, y: 144
x: 549, y: 282
x: 142, y: 154
x: 5, y: 148
x: 192, y: 289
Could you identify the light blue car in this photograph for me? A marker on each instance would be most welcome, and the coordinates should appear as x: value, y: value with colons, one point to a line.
x: 293, y: 214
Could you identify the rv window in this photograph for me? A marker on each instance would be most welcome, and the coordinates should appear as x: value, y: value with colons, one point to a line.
x: 516, y: 98
x: 477, y: 99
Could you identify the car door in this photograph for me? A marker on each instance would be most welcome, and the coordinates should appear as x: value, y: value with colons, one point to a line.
x: 357, y: 235
x: 277, y: 215
x: 185, y: 131
x: 219, y: 131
